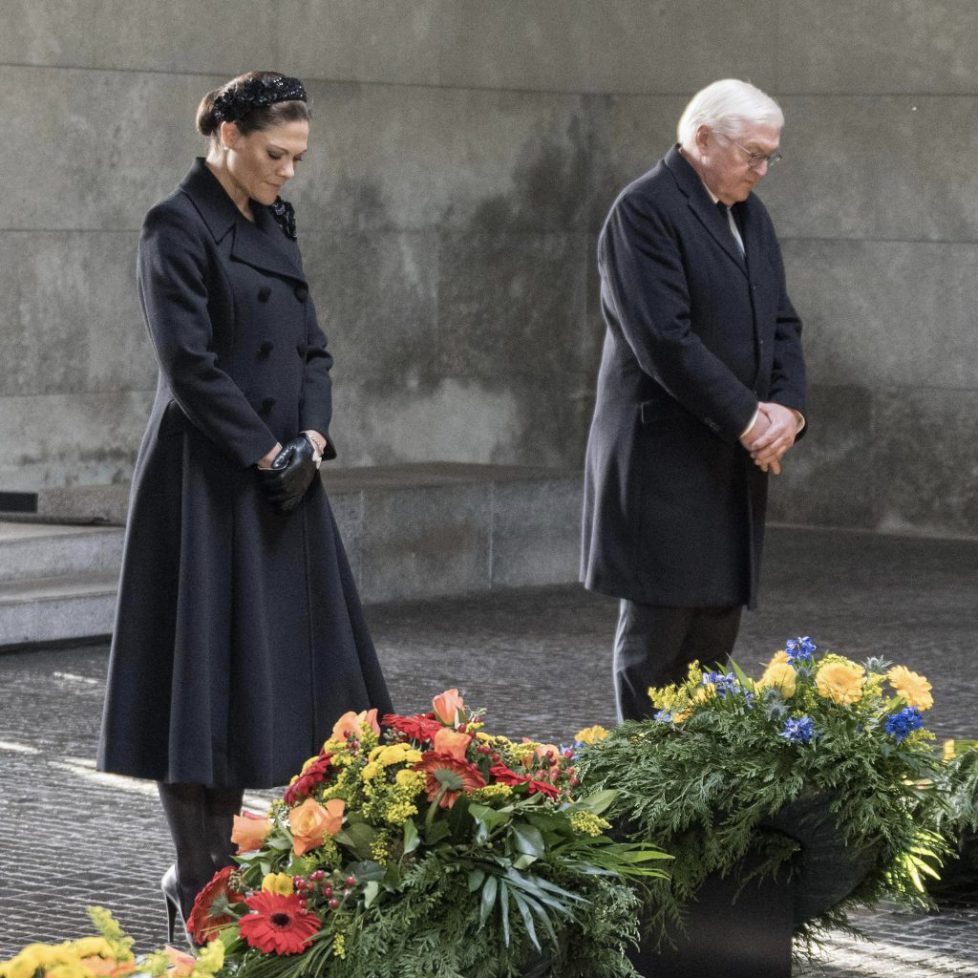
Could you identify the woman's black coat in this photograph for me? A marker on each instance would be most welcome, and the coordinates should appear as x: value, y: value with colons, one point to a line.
x: 239, y: 636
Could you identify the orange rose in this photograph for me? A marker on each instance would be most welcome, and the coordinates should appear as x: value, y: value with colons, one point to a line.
x: 250, y: 831
x: 311, y: 823
x: 452, y: 742
x: 447, y: 706
x: 350, y: 723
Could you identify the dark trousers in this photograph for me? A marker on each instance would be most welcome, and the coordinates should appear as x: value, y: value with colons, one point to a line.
x: 654, y: 646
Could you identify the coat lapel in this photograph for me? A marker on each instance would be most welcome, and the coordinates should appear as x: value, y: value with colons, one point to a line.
x: 702, y: 206
x: 261, y: 245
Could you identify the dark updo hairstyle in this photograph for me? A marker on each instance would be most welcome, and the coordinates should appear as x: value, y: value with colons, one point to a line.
x: 253, y: 101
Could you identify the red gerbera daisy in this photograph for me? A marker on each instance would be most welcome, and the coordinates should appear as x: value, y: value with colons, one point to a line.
x: 421, y: 727
x: 278, y: 924
x: 209, y: 913
x: 312, y: 776
x: 447, y: 777
x: 534, y: 786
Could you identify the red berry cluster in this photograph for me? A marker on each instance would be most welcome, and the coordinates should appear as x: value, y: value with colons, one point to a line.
x: 333, y: 891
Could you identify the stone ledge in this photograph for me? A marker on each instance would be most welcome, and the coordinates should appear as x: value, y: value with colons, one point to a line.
x: 411, y: 531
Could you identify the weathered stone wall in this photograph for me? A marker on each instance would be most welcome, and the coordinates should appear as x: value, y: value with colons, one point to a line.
x: 463, y: 156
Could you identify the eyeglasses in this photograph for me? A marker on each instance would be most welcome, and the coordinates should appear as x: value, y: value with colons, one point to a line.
x: 754, y: 160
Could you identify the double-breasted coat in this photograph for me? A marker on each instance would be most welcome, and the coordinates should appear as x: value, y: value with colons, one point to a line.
x: 239, y: 637
x: 697, y: 334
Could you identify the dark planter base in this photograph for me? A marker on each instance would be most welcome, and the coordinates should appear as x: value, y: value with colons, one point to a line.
x: 729, y: 934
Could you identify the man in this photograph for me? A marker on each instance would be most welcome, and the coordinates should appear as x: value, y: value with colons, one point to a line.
x: 700, y: 393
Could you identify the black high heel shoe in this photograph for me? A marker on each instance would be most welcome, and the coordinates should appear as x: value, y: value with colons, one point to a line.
x: 174, y: 910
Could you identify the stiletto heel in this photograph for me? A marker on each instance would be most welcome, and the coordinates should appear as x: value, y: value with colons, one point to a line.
x: 171, y: 894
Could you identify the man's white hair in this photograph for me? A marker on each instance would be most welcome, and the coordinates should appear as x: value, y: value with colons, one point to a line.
x: 728, y: 106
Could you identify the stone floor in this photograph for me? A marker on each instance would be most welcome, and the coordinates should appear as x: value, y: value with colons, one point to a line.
x: 538, y: 660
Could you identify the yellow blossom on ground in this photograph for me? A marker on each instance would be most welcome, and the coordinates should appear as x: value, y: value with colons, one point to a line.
x: 280, y: 883
x: 912, y: 687
x: 591, y: 735
x: 840, y: 681
x: 949, y: 751
x: 780, y: 676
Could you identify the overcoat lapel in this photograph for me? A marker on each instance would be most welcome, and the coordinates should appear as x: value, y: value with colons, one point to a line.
x: 261, y: 245
x: 702, y: 206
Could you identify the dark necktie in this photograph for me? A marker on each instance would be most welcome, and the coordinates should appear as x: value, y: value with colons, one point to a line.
x: 728, y: 219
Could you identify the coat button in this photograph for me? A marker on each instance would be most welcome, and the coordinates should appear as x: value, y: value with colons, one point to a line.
x: 301, y: 293
x: 301, y: 350
x: 267, y: 405
x: 264, y: 293
x: 265, y: 349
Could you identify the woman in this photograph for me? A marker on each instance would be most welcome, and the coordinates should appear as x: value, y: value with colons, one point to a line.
x: 239, y: 635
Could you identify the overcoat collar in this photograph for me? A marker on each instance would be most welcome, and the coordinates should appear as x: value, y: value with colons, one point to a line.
x: 691, y: 185
x: 262, y: 244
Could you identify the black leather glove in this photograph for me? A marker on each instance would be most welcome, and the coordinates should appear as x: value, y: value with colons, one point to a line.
x: 291, y: 474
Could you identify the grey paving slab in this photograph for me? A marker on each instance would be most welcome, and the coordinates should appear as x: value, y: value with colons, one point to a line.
x: 539, y: 660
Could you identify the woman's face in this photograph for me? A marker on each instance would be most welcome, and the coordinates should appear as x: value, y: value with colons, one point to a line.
x: 262, y: 162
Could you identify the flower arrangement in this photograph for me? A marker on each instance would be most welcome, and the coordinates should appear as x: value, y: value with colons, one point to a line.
x: 732, y: 767
x: 109, y: 956
x: 434, y: 848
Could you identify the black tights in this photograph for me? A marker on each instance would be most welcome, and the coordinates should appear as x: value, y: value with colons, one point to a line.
x: 200, y: 819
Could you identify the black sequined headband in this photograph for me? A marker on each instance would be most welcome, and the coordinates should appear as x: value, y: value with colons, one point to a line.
x: 236, y: 103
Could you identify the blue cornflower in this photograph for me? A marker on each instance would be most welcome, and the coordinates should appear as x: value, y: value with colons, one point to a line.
x: 800, y: 650
x: 725, y: 684
x: 901, y: 725
x: 663, y: 716
x: 798, y: 730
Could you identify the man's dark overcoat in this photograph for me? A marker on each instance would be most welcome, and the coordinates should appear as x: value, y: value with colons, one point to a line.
x: 696, y: 336
x: 239, y: 636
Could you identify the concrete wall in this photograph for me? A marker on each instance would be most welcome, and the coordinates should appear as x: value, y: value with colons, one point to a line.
x: 463, y: 156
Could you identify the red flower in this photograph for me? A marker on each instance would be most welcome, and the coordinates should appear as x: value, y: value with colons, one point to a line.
x: 534, y: 786
x: 206, y: 919
x: 278, y: 924
x: 421, y: 727
x: 448, y: 777
x: 311, y: 776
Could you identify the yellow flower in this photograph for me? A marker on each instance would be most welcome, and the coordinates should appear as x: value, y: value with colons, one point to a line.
x: 779, y: 656
x: 412, y: 780
x: 587, y: 823
x: 591, y: 735
x: 22, y: 966
x: 780, y: 676
x: 370, y: 770
x: 912, y: 687
x: 339, y: 945
x: 949, y: 751
x: 87, y: 947
x: 840, y: 681
x: 663, y: 697
x: 280, y: 883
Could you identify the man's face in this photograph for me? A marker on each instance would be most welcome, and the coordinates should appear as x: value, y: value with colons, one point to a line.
x: 733, y: 166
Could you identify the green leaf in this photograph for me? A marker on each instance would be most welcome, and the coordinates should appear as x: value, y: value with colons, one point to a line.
x: 527, y: 919
x: 370, y: 893
x: 411, y: 837
x: 488, y: 901
x: 435, y: 833
x: 599, y: 801
x: 476, y: 876
x: 529, y: 840
x: 504, y: 908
